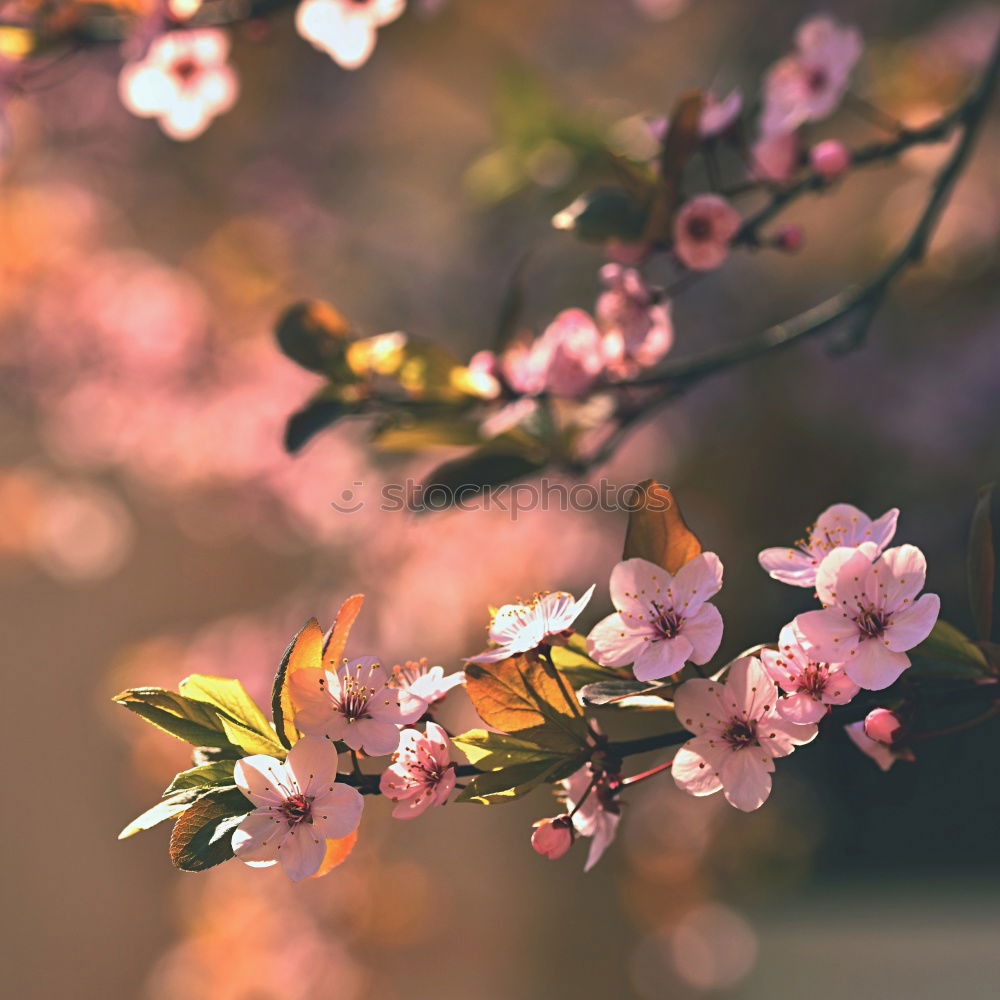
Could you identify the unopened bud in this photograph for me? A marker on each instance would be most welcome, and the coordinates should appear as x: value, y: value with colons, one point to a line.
x: 830, y: 158
x: 553, y: 837
x: 882, y: 725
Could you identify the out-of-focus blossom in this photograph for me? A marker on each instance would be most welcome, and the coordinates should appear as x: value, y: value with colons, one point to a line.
x: 702, y: 231
x: 830, y: 158
x: 789, y: 238
x: 883, y: 725
x: 517, y: 628
x: 300, y: 805
x: 660, y: 10
x: 717, y: 116
x: 524, y: 364
x: 572, y: 349
x: 775, y: 157
x: 353, y: 703
x: 345, y: 29
x: 811, y: 686
x: 738, y: 733
x: 421, y: 773
x: 662, y: 620
x: 553, y: 837
x: 423, y: 686
x: 809, y: 84
x: 637, y: 328
x: 883, y: 755
x: 839, y: 526
x: 592, y: 801
x: 872, y: 615
x: 184, y: 82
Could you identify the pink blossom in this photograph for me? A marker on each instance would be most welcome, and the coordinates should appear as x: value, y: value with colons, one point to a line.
x: 702, y: 231
x: 883, y: 755
x: 882, y: 725
x: 422, y: 686
x: 353, y: 703
x: 524, y: 365
x: 809, y: 84
x: 574, y: 357
x: 345, y: 29
x: 776, y: 157
x: 299, y: 806
x: 830, y: 158
x: 637, y: 328
x: 184, y: 82
x: 594, y: 809
x: 839, y: 526
x: 811, y: 686
x: 662, y: 619
x: 738, y: 731
x: 517, y: 628
x: 871, y: 613
x: 789, y: 238
x: 421, y: 773
x: 716, y: 116
x: 553, y: 837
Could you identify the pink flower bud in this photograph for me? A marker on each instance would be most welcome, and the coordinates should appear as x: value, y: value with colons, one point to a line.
x: 882, y: 725
x: 553, y: 837
x: 830, y: 158
x: 789, y: 238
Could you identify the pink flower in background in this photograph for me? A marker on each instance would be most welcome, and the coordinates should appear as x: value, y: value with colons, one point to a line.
x: 738, y: 733
x: 421, y: 773
x: 184, y: 82
x: 811, y: 686
x: 422, y: 686
x: 637, y: 328
x: 662, y: 620
x: 299, y: 806
x: 702, y: 231
x: 716, y: 116
x: 573, y: 351
x: 516, y: 628
x: 354, y: 704
x: 553, y: 837
x: 809, y: 84
x: 839, y: 526
x: 883, y: 755
x: 345, y: 29
x: 830, y: 158
x: 598, y: 815
x: 872, y: 615
x: 776, y: 157
x: 524, y: 365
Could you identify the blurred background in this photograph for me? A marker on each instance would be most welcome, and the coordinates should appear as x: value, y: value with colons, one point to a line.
x: 151, y: 525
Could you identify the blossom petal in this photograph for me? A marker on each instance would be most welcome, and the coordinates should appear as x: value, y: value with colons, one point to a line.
x: 878, y: 752
x: 779, y: 737
x: 313, y: 764
x: 603, y: 835
x: 788, y: 565
x: 702, y: 705
x: 696, y: 581
x: 828, y: 635
x: 836, y: 573
x: 908, y: 569
x: 375, y: 737
x: 635, y: 584
x: 911, y: 626
x: 874, y: 666
x: 661, y: 658
x: 337, y: 811
x: 613, y: 643
x: 697, y: 765
x: 746, y: 779
x: 801, y: 708
x: 751, y: 686
x: 302, y: 852
x: 704, y: 631
x: 263, y: 780
x: 258, y: 836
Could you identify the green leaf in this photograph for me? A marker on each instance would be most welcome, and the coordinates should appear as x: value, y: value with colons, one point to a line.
x: 194, y: 721
x: 202, y: 837
x: 982, y: 563
x: 167, y: 809
x: 406, y: 431
x: 512, y: 782
x: 603, y: 214
x: 218, y: 772
x: 946, y: 643
x: 230, y: 696
x: 656, y: 529
x: 314, y: 335
x: 578, y: 668
x: 251, y: 741
x: 494, y: 751
x: 625, y: 694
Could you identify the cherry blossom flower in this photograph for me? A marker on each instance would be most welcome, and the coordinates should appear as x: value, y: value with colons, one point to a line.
x: 422, y: 686
x: 839, y: 526
x: 830, y: 158
x: 738, y: 733
x: 516, y: 628
x: 811, y: 687
x: 299, y: 806
x: 524, y: 365
x: 637, y: 328
x: 184, y: 82
x: 662, y: 619
x: 809, y: 84
x: 871, y: 613
x: 345, y: 29
x: 702, y: 231
x: 594, y: 810
x: 883, y: 755
x: 553, y: 837
x: 776, y: 157
x: 573, y: 354
x: 354, y: 703
x: 421, y: 773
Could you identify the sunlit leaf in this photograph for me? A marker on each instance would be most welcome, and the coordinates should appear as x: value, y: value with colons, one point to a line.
x: 304, y: 652
x: 493, y: 751
x: 578, y: 668
x: 408, y: 431
x: 315, y: 335
x: 337, y: 852
x: 202, y: 836
x: 219, y: 772
x: 194, y: 721
x: 251, y: 741
x: 167, y: 809
x: 230, y: 696
x: 336, y: 640
x: 656, y: 529
x: 982, y: 565
x: 511, y: 783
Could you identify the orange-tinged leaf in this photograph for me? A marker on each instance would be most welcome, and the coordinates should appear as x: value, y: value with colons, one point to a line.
x: 656, y: 529
x: 305, y: 652
x: 336, y: 642
x: 336, y: 853
x: 519, y: 696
